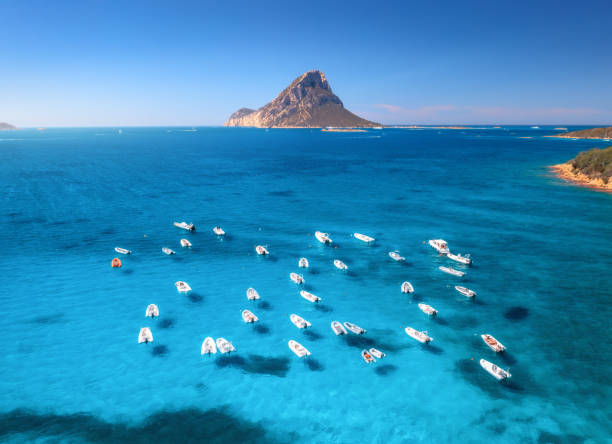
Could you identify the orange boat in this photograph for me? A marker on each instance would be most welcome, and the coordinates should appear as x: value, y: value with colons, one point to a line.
x: 116, y: 263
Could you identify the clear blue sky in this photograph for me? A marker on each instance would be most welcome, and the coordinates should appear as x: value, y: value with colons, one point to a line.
x: 82, y: 63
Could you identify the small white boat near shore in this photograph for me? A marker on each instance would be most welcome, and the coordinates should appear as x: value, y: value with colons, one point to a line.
x: 364, y: 238
x: 185, y: 243
x: 338, y: 328
x: 377, y: 353
x: 298, y: 349
x: 249, y: 317
x: 252, y: 294
x: 354, y: 328
x: 493, y: 343
x: 152, y: 311
x: 452, y: 271
x: 420, y: 336
x: 122, y: 250
x: 465, y: 291
x: 407, y: 287
x: 168, y: 251
x: 323, y: 237
x: 309, y: 296
x: 185, y: 226
x: 428, y: 309
x: 145, y: 335
x: 182, y: 287
x: 297, y: 278
x: 439, y: 245
x: 303, y: 263
x: 367, y: 357
x: 340, y: 265
x: 495, y: 371
x: 218, y: 231
x: 467, y: 260
x: 225, y: 346
x: 396, y: 256
x: 208, y: 346
x: 299, y: 321
x: 261, y: 250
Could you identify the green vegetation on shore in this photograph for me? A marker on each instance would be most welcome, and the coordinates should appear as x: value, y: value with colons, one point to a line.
x: 592, y: 133
x: 595, y: 163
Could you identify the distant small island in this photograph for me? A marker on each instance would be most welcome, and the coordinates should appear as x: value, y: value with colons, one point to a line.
x: 592, y: 168
x: 592, y: 133
x: 6, y: 126
x: 308, y: 102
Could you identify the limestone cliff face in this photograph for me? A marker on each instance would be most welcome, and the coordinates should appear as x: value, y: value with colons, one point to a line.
x: 308, y: 102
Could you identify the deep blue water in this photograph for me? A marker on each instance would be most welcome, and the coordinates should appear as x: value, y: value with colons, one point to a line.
x: 70, y: 363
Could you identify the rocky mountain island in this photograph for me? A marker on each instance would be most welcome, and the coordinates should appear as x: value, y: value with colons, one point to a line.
x: 6, y: 126
x: 308, y: 102
x: 593, y: 133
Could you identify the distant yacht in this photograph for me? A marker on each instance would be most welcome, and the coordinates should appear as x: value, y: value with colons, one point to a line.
x: 252, y: 294
x: 323, y: 237
x: 249, y: 317
x: 122, y: 250
x: 152, y: 311
x: 338, y: 328
x: 298, y: 349
x: 340, y: 265
x: 396, y: 257
x: 377, y: 353
x: 185, y: 243
x: 439, y: 245
x: 493, y: 343
x: 168, y: 251
x: 309, y: 296
x: 299, y: 321
x: 458, y: 258
x: 225, y: 346
x: 182, y: 287
x: 407, y: 287
x: 354, y: 328
x: 261, y: 250
x: 185, y: 226
x: 297, y: 278
x: 495, y: 371
x: 428, y: 309
x: 208, y: 346
x: 452, y: 271
x: 145, y: 335
x: 367, y: 357
x: 303, y: 263
x: 218, y: 231
x: 420, y: 336
x: 535, y: 127
x: 465, y: 291
x: 364, y: 238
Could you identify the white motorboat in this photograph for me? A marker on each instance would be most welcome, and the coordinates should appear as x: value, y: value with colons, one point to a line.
x: 354, y: 328
x: 495, y: 371
x: 323, y: 237
x: 225, y: 346
x: 407, y: 287
x: 145, y: 335
x: 428, y: 309
x: 299, y: 321
x: 185, y: 226
x: 218, y: 231
x: 452, y: 271
x: 168, y: 251
x: 185, y: 243
x: 261, y: 250
x: 249, y: 317
x: 297, y: 278
x: 122, y: 250
x: 367, y: 357
x: 338, y: 328
x: 252, y: 294
x: 377, y: 353
x: 182, y: 287
x: 298, y: 349
x: 461, y: 259
x: 208, y: 346
x: 340, y: 265
x: 364, y: 238
x: 309, y: 296
x: 439, y: 245
x: 465, y: 291
x: 152, y: 311
x: 493, y: 343
x: 396, y: 257
x: 420, y: 336
x: 303, y: 263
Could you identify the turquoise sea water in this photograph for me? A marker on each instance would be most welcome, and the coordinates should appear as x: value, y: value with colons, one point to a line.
x: 71, y: 366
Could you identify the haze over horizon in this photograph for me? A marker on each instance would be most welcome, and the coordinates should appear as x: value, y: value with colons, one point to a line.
x: 193, y: 63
